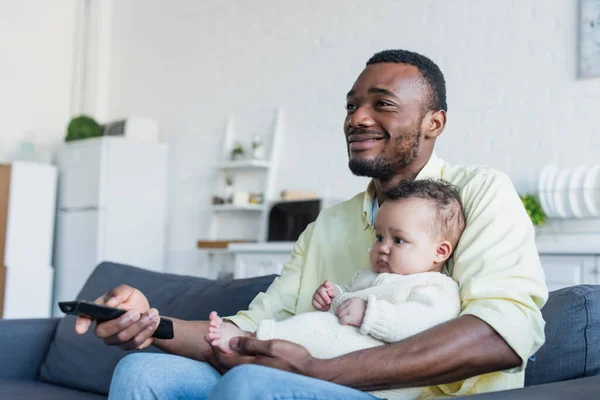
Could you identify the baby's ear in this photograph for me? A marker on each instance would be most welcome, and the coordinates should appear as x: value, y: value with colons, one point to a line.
x: 443, y: 252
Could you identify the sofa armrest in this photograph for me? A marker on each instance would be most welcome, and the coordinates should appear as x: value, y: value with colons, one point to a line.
x: 23, y: 345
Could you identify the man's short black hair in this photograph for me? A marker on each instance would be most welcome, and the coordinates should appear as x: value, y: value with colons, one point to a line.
x: 429, y: 70
x: 445, y: 200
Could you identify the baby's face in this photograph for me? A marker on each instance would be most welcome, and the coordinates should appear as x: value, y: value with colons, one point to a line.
x: 406, y: 238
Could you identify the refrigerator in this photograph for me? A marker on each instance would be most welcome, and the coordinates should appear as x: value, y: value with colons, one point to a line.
x: 111, y: 206
x: 27, y: 215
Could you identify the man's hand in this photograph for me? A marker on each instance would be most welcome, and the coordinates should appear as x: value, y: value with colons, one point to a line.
x: 352, y: 311
x: 323, y: 295
x: 132, y: 330
x: 275, y: 353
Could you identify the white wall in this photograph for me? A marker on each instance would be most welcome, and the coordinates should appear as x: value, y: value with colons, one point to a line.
x: 36, y: 49
x: 514, y: 101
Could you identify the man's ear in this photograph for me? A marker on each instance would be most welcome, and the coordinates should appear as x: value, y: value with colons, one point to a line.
x: 435, y: 122
x: 443, y: 251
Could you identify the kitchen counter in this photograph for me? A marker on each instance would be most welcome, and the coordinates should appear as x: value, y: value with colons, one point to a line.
x: 262, y: 247
x: 569, y: 236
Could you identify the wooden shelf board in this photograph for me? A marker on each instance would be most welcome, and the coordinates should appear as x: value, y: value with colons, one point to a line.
x: 220, y: 244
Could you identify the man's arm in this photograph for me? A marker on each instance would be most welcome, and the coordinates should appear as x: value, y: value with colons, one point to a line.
x: 188, y: 341
x: 455, y: 350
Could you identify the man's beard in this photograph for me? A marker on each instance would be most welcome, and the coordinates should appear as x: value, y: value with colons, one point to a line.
x: 383, y: 168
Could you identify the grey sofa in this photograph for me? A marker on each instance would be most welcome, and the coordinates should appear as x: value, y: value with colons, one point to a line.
x: 47, y: 359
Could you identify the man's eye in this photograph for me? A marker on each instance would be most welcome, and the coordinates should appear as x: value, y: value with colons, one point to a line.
x: 398, y: 241
x: 382, y: 104
x: 350, y: 107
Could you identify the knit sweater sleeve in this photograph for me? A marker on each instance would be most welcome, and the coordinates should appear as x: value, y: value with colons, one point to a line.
x: 362, y: 279
x: 426, y: 306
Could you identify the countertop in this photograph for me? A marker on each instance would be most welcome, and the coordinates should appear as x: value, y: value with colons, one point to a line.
x: 262, y: 247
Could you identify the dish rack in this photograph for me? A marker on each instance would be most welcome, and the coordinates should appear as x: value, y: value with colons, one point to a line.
x: 570, y: 193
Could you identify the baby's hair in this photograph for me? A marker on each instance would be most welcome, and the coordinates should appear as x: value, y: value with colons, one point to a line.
x: 443, y: 196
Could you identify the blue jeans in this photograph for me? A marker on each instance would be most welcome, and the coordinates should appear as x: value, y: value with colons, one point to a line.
x: 162, y: 376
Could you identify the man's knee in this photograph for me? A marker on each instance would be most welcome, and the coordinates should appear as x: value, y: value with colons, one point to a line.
x: 147, y: 376
x: 247, y: 373
x: 134, y: 368
x: 242, y: 382
x: 144, y: 375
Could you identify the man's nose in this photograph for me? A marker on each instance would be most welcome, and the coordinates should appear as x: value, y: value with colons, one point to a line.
x: 361, y: 118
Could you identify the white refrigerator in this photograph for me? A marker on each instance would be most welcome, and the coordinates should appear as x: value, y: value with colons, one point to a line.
x: 111, y: 207
x: 27, y: 215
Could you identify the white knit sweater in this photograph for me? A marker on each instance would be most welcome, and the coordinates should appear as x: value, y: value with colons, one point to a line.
x: 398, y: 306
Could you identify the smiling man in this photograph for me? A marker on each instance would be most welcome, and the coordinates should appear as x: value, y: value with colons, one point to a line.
x: 396, y: 109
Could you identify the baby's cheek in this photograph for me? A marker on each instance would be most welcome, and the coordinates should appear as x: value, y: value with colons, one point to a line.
x: 373, y: 254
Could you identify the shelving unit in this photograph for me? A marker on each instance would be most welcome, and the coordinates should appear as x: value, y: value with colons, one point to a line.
x: 266, y: 167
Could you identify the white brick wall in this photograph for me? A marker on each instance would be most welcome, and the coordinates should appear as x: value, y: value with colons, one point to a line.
x: 514, y: 100
x: 36, y: 66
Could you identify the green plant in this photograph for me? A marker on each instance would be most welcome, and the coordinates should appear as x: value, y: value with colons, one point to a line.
x: 82, y: 127
x: 238, y: 151
x: 534, y: 209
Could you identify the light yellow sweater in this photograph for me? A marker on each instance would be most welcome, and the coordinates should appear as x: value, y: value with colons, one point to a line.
x: 495, y: 264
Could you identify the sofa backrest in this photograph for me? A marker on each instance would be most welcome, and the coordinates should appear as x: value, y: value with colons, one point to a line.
x: 572, y: 348
x: 86, y: 363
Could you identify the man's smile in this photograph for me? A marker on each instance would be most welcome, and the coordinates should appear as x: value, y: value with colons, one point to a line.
x: 363, y: 141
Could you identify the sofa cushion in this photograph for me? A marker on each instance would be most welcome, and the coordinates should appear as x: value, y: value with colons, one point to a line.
x: 84, y: 362
x: 572, y: 348
x: 34, y: 390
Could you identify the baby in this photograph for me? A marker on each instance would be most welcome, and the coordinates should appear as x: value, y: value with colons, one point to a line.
x: 405, y: 291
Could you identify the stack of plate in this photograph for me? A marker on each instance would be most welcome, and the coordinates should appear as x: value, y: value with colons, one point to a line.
x: 570, y: 192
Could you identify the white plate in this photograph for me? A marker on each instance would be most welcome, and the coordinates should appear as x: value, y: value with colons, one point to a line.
x: 561, y: 193
x: 576, y: 201
x: 547, y: 178
x: 591, y: 191
x: 541, y: 188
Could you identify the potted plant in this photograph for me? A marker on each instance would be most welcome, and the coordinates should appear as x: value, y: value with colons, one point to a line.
x: 83, y: 127
x: 534, y: 209
x: 238, y: 151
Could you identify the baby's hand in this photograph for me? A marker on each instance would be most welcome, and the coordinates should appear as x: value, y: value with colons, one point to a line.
x: 323, y: 295
x: 352, y: 311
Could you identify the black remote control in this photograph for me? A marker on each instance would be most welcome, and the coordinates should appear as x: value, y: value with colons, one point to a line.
x: 104, y: 313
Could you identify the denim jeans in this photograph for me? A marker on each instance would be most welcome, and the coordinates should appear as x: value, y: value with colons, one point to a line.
x: 162, y: 376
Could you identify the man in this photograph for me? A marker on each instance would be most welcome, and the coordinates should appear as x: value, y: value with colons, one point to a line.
x: 395, y: 111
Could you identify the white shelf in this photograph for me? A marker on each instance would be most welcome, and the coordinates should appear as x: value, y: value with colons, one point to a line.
x: 238, y: 164
x: 266, y: 167
x: 233, y: 207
